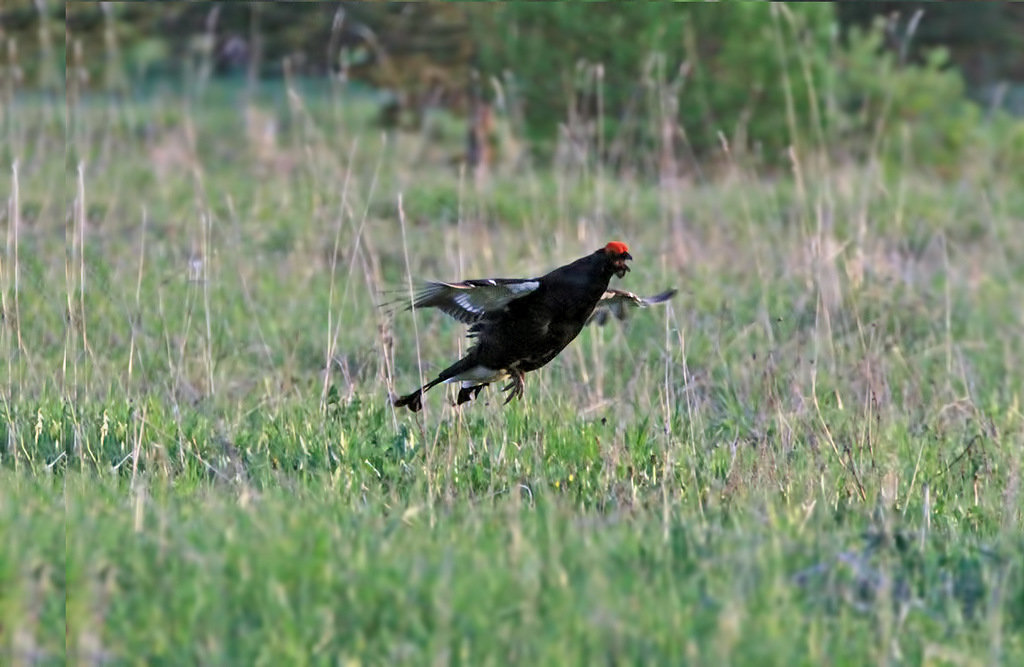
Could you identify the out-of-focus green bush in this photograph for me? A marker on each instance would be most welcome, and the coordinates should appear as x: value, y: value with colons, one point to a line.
x: 718, y: 70
x: 760, y: 77
x: 916, y: 114
x: 640, y: 86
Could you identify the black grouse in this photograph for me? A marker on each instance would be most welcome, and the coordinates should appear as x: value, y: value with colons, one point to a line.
x: 520, y: 324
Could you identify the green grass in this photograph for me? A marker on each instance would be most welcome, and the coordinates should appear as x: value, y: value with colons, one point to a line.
x: 812, y: 457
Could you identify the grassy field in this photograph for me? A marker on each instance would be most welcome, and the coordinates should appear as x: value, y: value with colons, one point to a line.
x: 812, y: 457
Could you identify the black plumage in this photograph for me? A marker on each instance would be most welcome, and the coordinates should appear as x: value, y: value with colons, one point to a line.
x: 519, y: 325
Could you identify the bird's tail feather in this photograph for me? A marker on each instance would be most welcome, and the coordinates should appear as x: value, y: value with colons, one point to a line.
x: 413, y: 401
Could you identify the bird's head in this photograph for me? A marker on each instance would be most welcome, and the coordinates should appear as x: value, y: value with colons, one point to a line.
x: 616, y: 253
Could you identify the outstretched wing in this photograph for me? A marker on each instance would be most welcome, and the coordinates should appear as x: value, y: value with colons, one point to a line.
x: 619, y: 303
x: 472, y: 300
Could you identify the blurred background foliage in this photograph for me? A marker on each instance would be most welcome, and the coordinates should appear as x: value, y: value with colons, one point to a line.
x: 927, y: 83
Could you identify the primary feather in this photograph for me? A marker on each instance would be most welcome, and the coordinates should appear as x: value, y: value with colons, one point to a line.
x: 470, y: 300
x: 619, y: 303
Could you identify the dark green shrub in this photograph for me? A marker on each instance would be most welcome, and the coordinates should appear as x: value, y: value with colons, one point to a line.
x: 717, y: 70
x: 915, y: 114
x: 762, y: 77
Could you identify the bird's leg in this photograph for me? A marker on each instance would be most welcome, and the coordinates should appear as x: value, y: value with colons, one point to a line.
x: 467, y: 394
x: 516, y: 387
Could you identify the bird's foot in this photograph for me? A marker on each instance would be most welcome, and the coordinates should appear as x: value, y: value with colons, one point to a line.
x: 516, y: 387
x: 467, y: 394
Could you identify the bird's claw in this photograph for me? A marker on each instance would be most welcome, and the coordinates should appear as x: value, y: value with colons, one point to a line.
x: 515, y: 388
x: 469, y: 393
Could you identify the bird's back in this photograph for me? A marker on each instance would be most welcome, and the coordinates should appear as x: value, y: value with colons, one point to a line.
x: 532, y: 330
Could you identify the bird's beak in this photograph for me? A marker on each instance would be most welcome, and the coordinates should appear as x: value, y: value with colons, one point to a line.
x: 620, y: 264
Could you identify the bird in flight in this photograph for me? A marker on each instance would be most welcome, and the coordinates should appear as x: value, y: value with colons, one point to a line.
x: 520, y: 324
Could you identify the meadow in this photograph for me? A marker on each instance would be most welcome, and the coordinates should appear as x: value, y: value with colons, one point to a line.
x: 813, y: 456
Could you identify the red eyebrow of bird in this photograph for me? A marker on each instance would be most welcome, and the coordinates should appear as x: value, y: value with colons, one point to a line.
x: 616, y: 248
